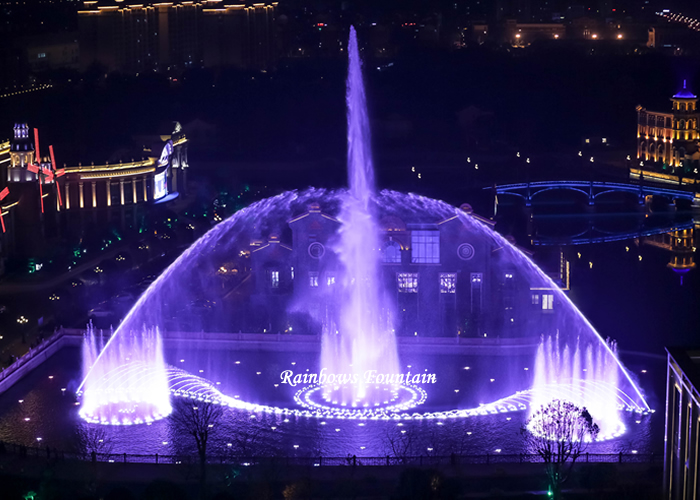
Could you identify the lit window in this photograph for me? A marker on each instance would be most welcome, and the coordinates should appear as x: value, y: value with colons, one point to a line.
x: 509, y: 276
x: 313, y: 279
x: 408, y: 282
x: 547, y: 301
x: 605, y: 140
x: 330, y: 279
x: 476, y: 279
x: 588, y: 141
x: 448, y: 282
x: 292, y: 273
x: 392, y: 253
x: 425, y: 247
x: 536, y: 299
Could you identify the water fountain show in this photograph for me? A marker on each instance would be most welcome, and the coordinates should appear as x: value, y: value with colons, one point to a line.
x: 333, y: 316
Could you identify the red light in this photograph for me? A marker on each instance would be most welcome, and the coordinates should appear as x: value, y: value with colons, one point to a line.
x: 36, y: 141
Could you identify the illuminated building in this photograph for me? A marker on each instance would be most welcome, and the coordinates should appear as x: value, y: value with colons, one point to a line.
x: 682, y: 245
x: 172, y: 36
x: 43, y: 202
x: 681, y: 451
x: 670, y: 138
x: 437, y: 273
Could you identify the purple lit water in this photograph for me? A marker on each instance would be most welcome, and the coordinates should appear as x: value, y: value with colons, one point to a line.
x: 356, y: 323
x: 363, y: 339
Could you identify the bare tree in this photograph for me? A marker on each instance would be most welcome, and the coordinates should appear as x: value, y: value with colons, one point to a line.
x: 400, y: 442
x: 559, y: 432
x: 93, y: 439
x: 197, y: 420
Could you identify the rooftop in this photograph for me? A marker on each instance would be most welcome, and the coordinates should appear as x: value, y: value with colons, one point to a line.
x: 685, y: 93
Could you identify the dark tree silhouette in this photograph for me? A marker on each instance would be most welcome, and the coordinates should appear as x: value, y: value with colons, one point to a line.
x: 559, y: 432
x: 92, y: 438
x: 197, y: 420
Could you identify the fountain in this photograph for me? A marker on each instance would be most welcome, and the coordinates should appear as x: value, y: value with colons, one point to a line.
x: 364, y: 339
x: 129, y: 384
x: 362, y: 269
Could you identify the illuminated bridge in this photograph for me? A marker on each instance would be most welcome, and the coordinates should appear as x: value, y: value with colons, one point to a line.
x: 527, y: 190
x: 595, y: 234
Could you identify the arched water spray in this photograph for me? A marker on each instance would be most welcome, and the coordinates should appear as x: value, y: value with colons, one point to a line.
x: 359, y: 334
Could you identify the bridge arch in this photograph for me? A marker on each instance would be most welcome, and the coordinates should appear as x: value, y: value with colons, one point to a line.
x: 560, y: 188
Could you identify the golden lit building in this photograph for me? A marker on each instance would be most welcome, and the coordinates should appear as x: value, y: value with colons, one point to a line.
x: 670, y: 138
x: 38, y: 195
x: 171, y: 36
x: 682, y: 244
x: 126, y: 184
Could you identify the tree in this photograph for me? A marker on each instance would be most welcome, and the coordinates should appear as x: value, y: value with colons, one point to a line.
x: 92, y: 438
x: 197, y: 419
x: 559, y: 432
x: 401, y: 442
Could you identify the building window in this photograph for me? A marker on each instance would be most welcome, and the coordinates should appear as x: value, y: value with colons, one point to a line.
x: 330, y: 279
x: 547, y: 301
x: 292, y: 273
x: 448, y: 282
x: 313, y: 279
x: 392, y: 253
x: 407, y: 282
x: 476, y: 281
x: 275, y: 279
x: 425, y: 247
x: 535, y: 299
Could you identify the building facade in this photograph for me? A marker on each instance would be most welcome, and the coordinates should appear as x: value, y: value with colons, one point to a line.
x: 671, y: 138
x: 42, y: 198
x: 173, y: 36
x: 444, y: 279
x: 682, y: 424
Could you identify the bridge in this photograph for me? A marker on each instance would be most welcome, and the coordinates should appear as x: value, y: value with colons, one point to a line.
x: 592, y: 190
x: 594, y: 234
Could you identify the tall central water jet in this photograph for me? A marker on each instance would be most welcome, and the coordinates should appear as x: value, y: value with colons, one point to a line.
x: 364, y: 339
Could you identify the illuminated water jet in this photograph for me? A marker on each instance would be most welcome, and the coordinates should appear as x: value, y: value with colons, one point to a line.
x: 364, y: 338
x: 357, y: 319
x: 129, y: 385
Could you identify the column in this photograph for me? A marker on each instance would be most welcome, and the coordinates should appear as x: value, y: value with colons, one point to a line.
x: 175, y: 179
x: 121, y: 191
x: 94, y: 194
x: 67, y: 197
x: 145, y: 190
x: 82, y: 198
x: 109, y: 192
x: 133, y: 189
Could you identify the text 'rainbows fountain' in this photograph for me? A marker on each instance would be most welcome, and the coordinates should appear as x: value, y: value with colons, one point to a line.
x: 340, y: 278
